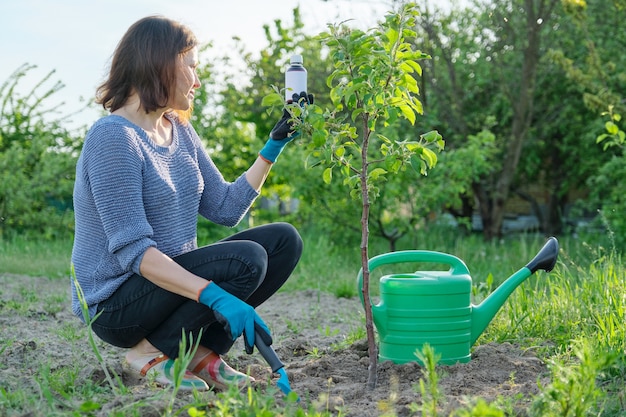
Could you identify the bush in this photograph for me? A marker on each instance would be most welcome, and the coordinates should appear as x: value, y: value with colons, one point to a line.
x: 37, y: 162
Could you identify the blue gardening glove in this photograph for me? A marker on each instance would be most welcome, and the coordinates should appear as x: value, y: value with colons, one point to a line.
x: 262, y: 333
x: 283, y: 132
x: 235, y: 315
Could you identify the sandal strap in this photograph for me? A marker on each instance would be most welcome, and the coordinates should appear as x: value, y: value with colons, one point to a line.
x: 151, y: 363
x: 205, y: 361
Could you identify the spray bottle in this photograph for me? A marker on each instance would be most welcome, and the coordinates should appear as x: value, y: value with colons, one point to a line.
x: 295, y: 78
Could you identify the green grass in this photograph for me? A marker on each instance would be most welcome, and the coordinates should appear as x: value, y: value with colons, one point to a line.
x: 573, y: 318
x: 24, y: 256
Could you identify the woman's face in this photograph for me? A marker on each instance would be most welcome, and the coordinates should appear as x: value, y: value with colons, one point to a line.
x: 186, y: 81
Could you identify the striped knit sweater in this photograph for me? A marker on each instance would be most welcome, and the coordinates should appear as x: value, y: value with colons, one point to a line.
x: 131, y: 194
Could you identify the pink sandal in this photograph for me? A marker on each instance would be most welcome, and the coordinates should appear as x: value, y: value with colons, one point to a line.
x: 162, y: 368
x: 219, y: 374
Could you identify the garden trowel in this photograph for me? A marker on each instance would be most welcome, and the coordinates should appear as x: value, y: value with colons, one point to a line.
x: 274, y: 362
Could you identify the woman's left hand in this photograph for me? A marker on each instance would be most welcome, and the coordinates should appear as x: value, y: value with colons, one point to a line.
x: 284, y: 132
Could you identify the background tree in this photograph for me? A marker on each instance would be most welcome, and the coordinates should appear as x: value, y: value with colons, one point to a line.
x: 490, y: 56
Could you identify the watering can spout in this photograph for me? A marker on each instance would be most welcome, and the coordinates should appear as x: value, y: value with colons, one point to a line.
x: 483, y: 313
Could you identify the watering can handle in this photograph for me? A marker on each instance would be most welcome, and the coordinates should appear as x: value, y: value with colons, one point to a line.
x: 457, y: 266
x: 546, y: 257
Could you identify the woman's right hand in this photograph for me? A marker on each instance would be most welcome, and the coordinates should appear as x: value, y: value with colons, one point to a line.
x: 235, y: 315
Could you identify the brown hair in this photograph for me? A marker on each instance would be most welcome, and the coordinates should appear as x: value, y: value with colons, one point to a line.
x: 145, y: 62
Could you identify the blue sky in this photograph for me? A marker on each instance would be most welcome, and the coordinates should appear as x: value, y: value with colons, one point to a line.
x: 77, y: 37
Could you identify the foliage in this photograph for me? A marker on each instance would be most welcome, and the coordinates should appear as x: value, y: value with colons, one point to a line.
x: 457, y: 169
x: 597, y: 72
x: 429, y: 384
x: 614, y: 136
x: 235, y: 403
x: 37, y: 159
x: 466, y: 89
x: 591, y: 63
x: 573, y: 390
x: 604, y: 191
x: 402, y: 204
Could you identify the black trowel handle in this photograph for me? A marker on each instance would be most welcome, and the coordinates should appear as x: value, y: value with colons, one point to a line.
x: 268, y: 353
x: 546, y: 257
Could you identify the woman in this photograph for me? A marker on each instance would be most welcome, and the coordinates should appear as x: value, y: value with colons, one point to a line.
x: 141, y: 180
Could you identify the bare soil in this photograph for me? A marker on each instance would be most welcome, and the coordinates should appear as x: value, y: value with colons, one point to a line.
x: 38, y: 334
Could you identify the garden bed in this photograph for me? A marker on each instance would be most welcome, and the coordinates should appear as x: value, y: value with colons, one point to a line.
x: 40, y: 338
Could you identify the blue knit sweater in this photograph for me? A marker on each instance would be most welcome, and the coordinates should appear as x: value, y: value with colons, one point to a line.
x: 131, y: 194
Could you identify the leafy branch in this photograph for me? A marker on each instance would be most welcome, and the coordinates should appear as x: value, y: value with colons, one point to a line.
x: 614, y: 136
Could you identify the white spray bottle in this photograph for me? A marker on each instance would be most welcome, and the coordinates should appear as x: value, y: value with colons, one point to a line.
x: 295, y: 78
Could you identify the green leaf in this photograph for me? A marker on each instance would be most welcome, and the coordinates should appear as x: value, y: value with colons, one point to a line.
x: 406, y: 67
x: 330, y: 79
x: 412, y: 146
x: 417, y: 67
x: 417, y: 164
x: 397, y: 164
x: 408, y: 112
x: 432, y: 136
x: 611, y: 128
x: 411, y: 83
x: 327, y: 176
x: 352, y: 181
x: 392, y: 36
x: 273, y: 99
x: 319, y: 137
x: 356, y: 113
x: 317, y: 121
x: 376, y: 173
x: 429, y: 157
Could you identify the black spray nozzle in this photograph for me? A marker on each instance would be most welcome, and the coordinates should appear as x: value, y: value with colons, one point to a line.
x: 546, y: 257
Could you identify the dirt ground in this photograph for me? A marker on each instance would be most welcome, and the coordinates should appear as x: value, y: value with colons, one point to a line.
x: 309, y: 329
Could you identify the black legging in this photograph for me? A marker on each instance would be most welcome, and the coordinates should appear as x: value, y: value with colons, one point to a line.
x: 251, y: 265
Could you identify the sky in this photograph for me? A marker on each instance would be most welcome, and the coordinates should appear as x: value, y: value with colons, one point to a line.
x: 76, y: 38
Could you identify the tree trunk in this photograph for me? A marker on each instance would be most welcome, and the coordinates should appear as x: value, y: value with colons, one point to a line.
x: 554, y: 213
x: 535, y: 207
x: 369, y: 322
x: 484, y: 209
x: 555, y: 210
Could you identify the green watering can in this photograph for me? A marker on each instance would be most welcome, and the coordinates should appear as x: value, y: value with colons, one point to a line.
x: 434, y: 307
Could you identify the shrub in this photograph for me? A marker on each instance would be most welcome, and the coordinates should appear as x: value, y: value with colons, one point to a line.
x: 37, y: 160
